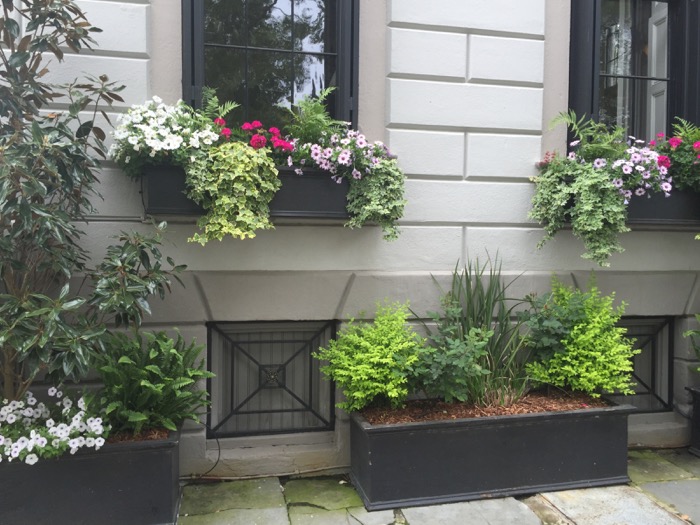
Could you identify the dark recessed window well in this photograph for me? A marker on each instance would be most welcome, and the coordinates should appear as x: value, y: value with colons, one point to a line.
x: 635, y: 63
x: 267, y: 54
x: 267, y: 381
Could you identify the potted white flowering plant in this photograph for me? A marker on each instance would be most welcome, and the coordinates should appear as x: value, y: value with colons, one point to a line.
x: 592, y: 187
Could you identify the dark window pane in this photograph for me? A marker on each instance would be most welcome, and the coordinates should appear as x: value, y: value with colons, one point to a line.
x: 224, y: 22
x: 270, y: 24
x: 225, y: 72
x: 314, y: 25
x: 637, y: 105
x: 312, y: 74
x: 633, y: 38
x: 269, y: 86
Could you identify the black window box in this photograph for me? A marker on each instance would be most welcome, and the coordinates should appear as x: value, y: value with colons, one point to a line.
x: 311, y: 195
x: 681, y: 208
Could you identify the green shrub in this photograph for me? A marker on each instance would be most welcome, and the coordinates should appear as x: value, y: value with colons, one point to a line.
x: 576, y: 343
x: 372, y: 362
x: 150, y: 381
x: 694, y: 334
x: 475, y: 354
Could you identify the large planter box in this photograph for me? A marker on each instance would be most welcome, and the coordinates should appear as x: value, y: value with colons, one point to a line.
x: 458, y: 460
x: 680, y: 209
x: 311, y: 195
x: 695, y: 422
x: 123, y: 483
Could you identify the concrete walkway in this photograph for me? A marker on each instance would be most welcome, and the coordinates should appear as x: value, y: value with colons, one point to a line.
x: 665, y: 490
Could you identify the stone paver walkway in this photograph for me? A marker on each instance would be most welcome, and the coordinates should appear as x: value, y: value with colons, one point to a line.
x: 665, y: 490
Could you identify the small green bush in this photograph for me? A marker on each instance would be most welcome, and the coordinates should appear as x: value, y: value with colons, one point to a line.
x: 475, y: 354
x: 575, y: 342
x: 694, y: 334
x: 150, y: 381
x: 372, y: 362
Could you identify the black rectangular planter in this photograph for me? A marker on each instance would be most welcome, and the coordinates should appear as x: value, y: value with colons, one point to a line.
x: 682, y: 208
x: 695, y: 422
x: 311, y: 195
x: 413, y: 464
x: 133, y: 483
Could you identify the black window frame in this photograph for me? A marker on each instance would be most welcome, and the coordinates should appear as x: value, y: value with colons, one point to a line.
x: 683, y: 64
x: 347, y: 28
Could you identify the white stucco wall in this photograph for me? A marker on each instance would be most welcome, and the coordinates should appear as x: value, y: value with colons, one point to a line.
x: 463, y: 93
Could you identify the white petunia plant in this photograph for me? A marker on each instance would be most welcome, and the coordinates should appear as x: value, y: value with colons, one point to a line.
x: 159, y: 133
x: 31, y: 429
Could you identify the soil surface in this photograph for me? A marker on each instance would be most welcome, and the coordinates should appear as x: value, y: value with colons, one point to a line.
x: 146, y: 435
x: 433, y: 410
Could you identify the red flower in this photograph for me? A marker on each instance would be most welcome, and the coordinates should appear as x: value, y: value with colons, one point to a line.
x: 247, y: 126
x: 258, y: 141
x: 274, y: 132
x: 226, y: 132
x: 652, y: 143
x: 256, y: 124
x: 219, y: 121
x: 663, y: 161
x: 696, y: 146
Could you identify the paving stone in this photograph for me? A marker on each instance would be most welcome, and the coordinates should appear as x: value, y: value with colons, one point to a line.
x: 362, y: 516
x: 610, y: 506
x: 645, y: 466
x: 276, y: 516
x: 548, y: 514
x: 326, y: 493
x: 307, y: 515
x: 682, y: 496
x: 502, y: 511
x: 205, y: 498
x: 683, y: 459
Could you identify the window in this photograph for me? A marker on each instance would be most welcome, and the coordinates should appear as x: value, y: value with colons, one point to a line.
x: 267, y: 381
x: 634, y: 63
x: 267, y: 54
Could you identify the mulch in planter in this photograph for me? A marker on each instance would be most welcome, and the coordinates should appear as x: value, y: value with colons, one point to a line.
x: 435, y: 410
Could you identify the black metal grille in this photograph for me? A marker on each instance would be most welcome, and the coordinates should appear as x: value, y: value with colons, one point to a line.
x: 653, y: 366
x: 267, y: 381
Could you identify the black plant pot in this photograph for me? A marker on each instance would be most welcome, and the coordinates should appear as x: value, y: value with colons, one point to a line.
x: 413, y: 464
x: 695, y: 422
x: 681, y: 208
x: 122, y: 483
x: 311, y: 195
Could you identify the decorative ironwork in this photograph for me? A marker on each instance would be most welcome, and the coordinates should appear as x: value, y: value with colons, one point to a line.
x: 267, y: 380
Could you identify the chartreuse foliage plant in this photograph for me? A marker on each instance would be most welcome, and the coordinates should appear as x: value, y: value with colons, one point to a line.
x: 694, y: 334
x: 234, y: 183
x: 475, y: 353
x: 150, y: 381
x: 575, y: 342
x: 372, y: 361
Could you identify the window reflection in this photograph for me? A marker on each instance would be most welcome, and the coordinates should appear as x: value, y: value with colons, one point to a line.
x: 633, y: 65
x: 269, y: 53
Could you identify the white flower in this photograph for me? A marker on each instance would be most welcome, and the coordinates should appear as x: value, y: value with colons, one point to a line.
x: 52, y: 391
x: 31, y: 459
